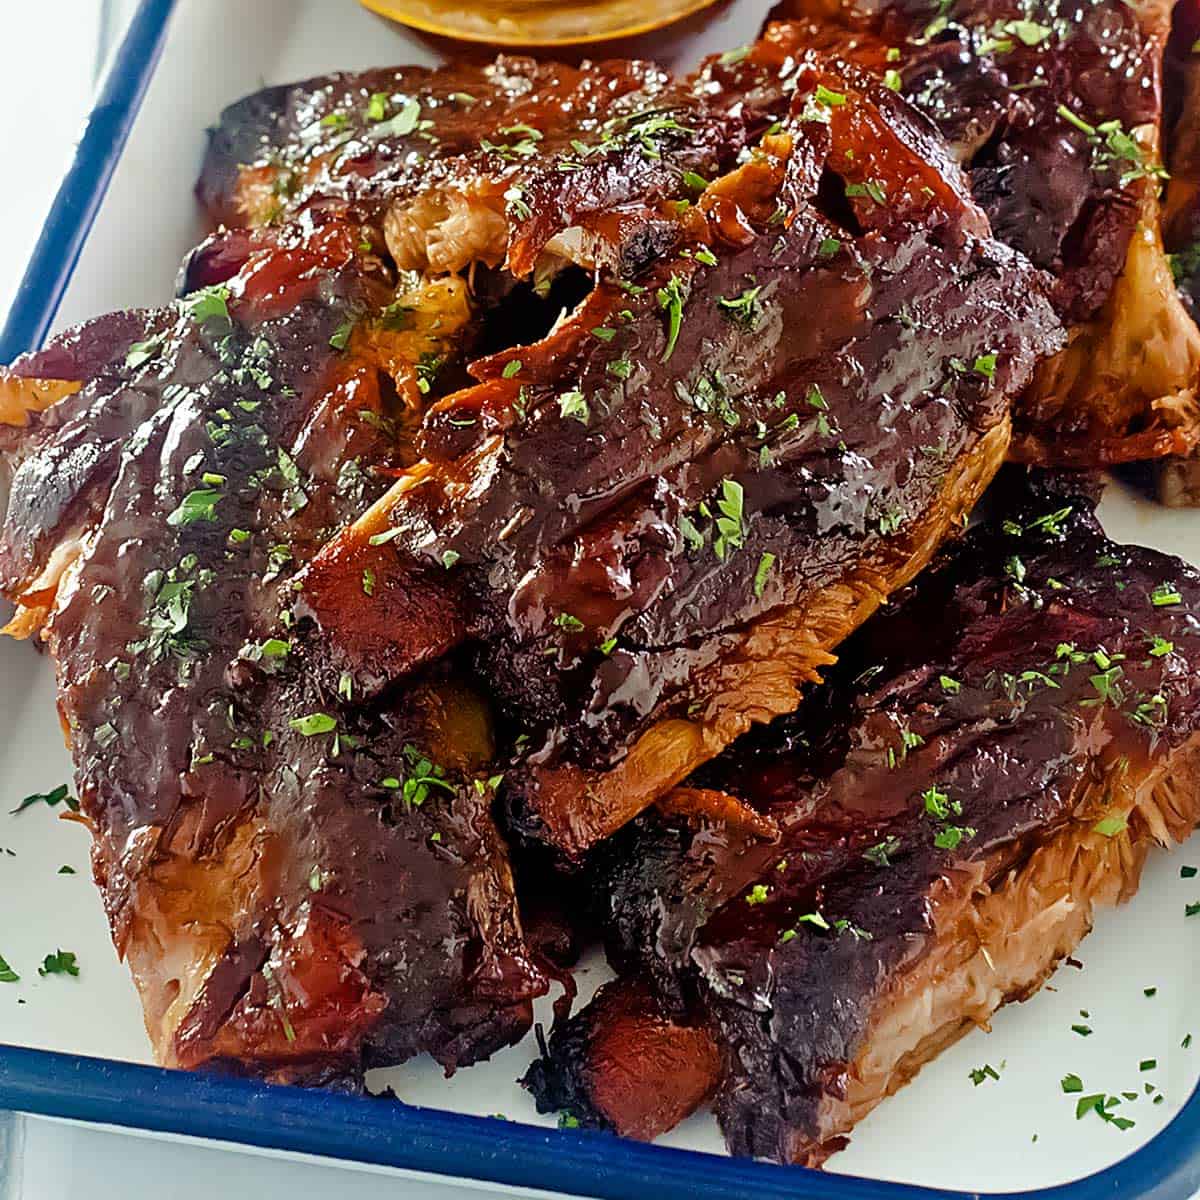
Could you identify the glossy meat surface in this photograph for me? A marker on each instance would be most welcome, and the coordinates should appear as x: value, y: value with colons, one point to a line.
x: 475, y: 164
x: 992, y: 756
x: 1054, y: 111
x: 651, y: 525
x: 303, y: 882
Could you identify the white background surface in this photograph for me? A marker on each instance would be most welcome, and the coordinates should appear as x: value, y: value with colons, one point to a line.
x: 44, y: 89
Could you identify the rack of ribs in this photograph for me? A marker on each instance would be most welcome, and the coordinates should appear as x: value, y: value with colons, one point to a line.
x: 295, y: 873
x: 1056, y: 119
x: 843, y: 894
x: 648, y: 527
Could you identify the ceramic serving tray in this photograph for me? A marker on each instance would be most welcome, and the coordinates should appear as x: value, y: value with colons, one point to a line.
x: 75, y: 1046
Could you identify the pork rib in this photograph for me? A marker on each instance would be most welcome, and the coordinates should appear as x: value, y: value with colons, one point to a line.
x: 299, y: 880
x: 817, y: 379
x: 922, y: 841
x: 1055, y: 117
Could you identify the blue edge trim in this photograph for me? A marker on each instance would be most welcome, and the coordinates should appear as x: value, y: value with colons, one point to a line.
x: 389, y: 1133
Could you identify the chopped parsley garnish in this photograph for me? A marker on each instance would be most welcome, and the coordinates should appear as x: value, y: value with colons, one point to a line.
x: 608, y: 646
x: 450, y: 558
x: 197, y: 505
x: 209, y: 304
x: 573, y: 405
x: 871, y: 187
x: 1148, y: 1064
x: 313, y: 724
x: 7, y: 974
x: 403, y: 123
x: 621, y: 368
x: 730, y: 531
x: 881, y: 853
x: 813, y: 918
x: 757, y: 894
x: 950, y: 686
x: 951, y: 836
x: 368, y: 582
x: 142, y: 352
x: 672, y: 299
x: 1186, y: 872
x: 61, y: 962
x: 938, y: 803
x: 66, y: 870
x: 985, y: 365
x: 423, y: 774
x: 1082, y: 1030
x: 764, y: 569
x: 697, y: 183
x: 1160, y: 647
x: 1165, y: 594
x: 987, y: 1071
x: 50, y: 799
x: 744, y: 309
x: 377, y: 106
x: 1191, y: 910
x: 566, y: 621
x: 829, y: 246
x: 341, y: 336
x: 830, y: 99
x: 1072, y: 1084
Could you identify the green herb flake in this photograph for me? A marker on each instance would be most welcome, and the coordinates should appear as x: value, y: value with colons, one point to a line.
x: 671, y: 300
x: 209, y: 304
x: 1165, y: 594
x: 757, y: 894
x: 1187, y: 872
x: 377, y: 106
x: 197, y: 505
x: 341, y: 336
x: 61, y: 962
x: 575, y: 406
x: 1072, y: 1084
x: 568, y: 622
x: 1082, y: 1030
x: 313, y: 724
x: 141, y: 353
x: 1110, y: 826
x: 829, y: 247
x: 764, y: 570
x: 1148, y: 1064
x: 50, y: 799
x: 985, y: 365
x: 980, y: 1074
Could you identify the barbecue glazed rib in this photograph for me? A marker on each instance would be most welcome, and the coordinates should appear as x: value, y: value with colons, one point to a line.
x: 300, y: 882
x: 522, y: 163
x: 1055, y: 116
x: 652, y: 525
x: 922, y: 841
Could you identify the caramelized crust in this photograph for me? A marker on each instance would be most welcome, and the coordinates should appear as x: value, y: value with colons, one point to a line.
x: 157, y: 517
x: 816, y: 380
x: 1055, y: 116
x: 991, y: 760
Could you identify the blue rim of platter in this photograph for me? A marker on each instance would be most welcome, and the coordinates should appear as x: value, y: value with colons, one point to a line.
x: 390, y: 1133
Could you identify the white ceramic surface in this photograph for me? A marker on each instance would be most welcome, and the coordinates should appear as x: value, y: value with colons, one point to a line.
x: 942, y: 1130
